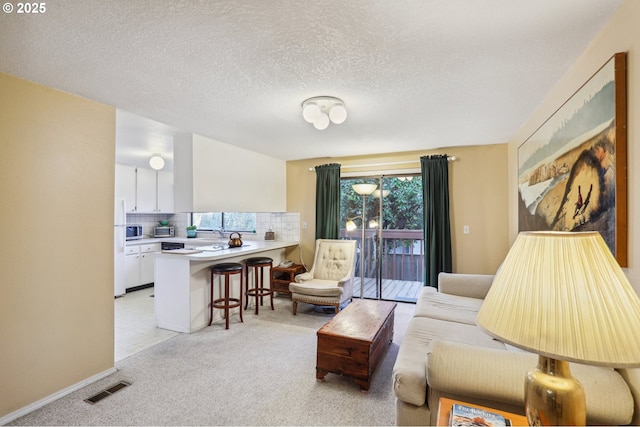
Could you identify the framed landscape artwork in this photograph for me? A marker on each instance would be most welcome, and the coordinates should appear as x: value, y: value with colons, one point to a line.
x: 572, y: 172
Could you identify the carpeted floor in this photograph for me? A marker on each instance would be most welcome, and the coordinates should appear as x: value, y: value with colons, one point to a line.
x: 260, y: 372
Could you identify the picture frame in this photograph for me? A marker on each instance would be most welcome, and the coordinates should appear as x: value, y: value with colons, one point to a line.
x: 572, y: 171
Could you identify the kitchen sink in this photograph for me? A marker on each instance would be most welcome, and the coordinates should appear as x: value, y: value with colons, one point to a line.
x: 219, y: 247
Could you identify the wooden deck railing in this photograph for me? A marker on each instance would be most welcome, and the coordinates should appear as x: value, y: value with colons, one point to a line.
x: 400, y: 253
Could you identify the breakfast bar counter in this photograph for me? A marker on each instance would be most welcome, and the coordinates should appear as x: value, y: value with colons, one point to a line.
x: 182, y: 281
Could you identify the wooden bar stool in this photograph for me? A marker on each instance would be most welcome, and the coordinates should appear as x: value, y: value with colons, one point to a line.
x: 259, y: 289
x: 225, y: 302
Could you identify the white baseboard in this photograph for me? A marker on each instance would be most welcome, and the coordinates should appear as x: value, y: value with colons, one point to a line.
x: 55, y: 396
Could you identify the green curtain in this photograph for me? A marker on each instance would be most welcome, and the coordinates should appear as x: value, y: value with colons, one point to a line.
x: 328, y: 201
x: 437, y: 224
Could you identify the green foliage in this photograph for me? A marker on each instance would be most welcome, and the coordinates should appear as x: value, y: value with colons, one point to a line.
x: 229, y: 221
x: 402, y: 207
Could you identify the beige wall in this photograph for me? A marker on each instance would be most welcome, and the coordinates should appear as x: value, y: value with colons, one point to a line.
x: 478, y: 188
x: 57, y: 156
x: 620, y: 34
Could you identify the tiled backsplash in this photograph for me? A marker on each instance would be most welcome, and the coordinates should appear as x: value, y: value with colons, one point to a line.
x: 148, y: 221
x: 286, y: 226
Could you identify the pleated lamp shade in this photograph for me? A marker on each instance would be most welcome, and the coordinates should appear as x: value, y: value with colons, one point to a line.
x: 564, y: 296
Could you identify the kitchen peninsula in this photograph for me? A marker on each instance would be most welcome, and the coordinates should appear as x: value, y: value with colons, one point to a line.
x: 182, y: 281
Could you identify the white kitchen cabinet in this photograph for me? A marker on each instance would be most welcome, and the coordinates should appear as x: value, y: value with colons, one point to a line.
x: 132, y: 266
x: 139, y: 264
x: 126, y: 186
x: 146, y: 262
x: 145, y: 190
x: 165, y: 192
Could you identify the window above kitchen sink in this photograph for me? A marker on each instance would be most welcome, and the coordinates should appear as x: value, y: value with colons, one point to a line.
x: 236, y: 221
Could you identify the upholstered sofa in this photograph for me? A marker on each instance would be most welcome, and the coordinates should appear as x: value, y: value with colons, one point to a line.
x: 445, y: 354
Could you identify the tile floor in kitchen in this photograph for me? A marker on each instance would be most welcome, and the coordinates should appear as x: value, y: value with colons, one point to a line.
x: 135, y: 324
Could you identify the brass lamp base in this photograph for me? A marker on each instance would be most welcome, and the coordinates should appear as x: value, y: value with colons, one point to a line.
x: 552, y: 396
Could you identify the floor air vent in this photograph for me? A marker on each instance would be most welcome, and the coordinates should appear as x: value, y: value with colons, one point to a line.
x: 107, y: 392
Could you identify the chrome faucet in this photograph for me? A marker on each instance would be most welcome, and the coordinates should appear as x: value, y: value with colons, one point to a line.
x: 220, y: 232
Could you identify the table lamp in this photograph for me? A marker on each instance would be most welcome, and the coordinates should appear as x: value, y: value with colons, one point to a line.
x: 563, y: 296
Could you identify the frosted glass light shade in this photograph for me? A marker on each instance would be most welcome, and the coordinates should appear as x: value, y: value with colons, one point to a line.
x: 156, y: 162
x: 364, y: 189
x: 322, y: 122
x: 563, y: 295
x: 323, y: 110
x: 350, y: 226
x: 338, y: 114
x: 311, y: 113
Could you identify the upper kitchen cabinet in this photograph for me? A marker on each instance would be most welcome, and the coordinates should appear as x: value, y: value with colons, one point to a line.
x: 126, y: 186
x: 211, y: 176
x: 165, y: 203
x: 145, y: 190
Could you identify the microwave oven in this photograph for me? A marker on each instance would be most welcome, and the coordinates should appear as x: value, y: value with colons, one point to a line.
x: 134, y: 232
x: 164, y: 231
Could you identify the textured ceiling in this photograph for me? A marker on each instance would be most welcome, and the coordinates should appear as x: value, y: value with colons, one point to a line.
x: 414, y: 75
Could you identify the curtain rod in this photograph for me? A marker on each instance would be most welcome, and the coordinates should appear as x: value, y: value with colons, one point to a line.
x: 450, y: 158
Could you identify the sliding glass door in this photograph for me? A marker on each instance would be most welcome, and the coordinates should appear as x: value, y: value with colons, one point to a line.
x: 387, y: 223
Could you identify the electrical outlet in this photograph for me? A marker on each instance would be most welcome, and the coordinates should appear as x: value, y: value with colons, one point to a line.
x: 304, y: 224
x: 465, y: 229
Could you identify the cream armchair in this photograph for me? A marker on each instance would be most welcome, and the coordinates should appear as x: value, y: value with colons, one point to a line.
x: 330, y: 280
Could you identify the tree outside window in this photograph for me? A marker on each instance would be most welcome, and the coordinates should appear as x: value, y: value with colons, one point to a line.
x: 229, y: 221
x: 402, y: 206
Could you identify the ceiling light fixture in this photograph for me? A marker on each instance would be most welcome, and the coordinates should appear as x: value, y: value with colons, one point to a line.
x: 322, y: 110
x: 156, y: 162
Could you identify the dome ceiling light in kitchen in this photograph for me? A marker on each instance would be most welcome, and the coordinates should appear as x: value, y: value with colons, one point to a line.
x: 322, y: 110
x: 156, y: 162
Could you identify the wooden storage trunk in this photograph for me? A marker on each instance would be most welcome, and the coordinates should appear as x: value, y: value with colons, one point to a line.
x: 355, y: 340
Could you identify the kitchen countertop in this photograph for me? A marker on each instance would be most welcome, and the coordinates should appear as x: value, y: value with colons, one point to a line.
x: 182, y: 287
x: 248, y: 247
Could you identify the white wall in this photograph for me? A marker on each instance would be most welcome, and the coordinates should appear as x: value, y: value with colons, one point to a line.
x: 211, y: 176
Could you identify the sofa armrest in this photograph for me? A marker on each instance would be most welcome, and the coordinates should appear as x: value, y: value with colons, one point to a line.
x: 478, y: 373
x: 632, y: 377
x: 465, y: 285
